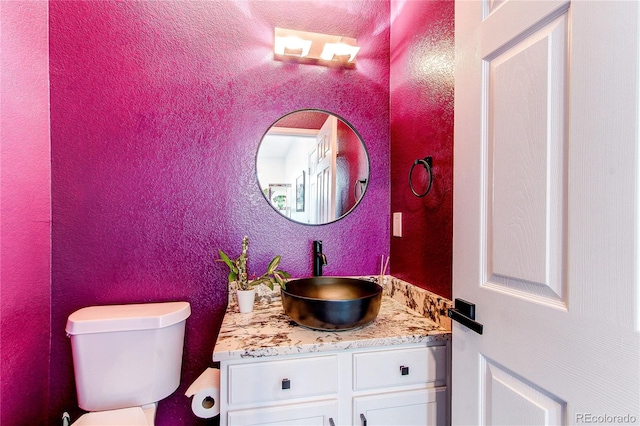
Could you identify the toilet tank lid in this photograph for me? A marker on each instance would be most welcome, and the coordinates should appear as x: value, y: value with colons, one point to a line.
x: 110, y: 318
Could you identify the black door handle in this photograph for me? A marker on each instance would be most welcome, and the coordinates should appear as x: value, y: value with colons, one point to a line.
x: 465, y: 313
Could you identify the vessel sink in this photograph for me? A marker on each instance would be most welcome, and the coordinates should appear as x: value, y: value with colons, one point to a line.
x: 331, y: 303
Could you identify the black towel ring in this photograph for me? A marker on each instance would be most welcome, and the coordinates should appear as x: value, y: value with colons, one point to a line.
x: 426, y: 163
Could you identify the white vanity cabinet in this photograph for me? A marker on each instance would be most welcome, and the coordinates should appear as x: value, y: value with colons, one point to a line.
x: 389, y: 385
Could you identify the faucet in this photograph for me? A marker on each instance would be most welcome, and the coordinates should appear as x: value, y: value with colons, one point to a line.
x: 319, y: 259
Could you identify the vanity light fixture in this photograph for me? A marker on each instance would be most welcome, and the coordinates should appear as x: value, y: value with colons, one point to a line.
x: 339, y: 51
x: 292, y: 46
x: 314, y: 48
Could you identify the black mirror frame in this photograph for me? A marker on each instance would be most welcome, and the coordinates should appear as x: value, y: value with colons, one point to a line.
x: 364, y: 182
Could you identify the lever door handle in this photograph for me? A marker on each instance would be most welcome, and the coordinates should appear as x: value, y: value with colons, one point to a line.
x: 465, y: 313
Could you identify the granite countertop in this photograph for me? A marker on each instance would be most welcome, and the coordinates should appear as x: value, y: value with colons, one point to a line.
x: 267, y: 331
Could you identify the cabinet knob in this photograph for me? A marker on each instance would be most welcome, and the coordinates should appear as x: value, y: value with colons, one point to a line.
x: 286, y: 384
x: 363, y: 419
x: 404, y: 370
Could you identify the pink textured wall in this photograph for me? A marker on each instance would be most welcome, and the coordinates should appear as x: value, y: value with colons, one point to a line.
x: 157, y: 110
x: 421, y: 125
x: 26, y: 211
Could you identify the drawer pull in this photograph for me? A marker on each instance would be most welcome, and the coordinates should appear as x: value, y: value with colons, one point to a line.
x: 331, y: 422
x: 363, y: 419
x: 286, y: 384
x: 404, y: 370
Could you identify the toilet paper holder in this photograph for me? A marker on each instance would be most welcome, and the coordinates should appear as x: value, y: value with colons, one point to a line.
x: 205, y: 393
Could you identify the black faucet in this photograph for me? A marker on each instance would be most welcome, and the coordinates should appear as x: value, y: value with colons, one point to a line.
x: 319, y: 259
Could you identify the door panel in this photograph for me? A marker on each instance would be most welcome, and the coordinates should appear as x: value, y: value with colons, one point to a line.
x: 525, y: 183
x: 325, y: 170
x: 511, y: 400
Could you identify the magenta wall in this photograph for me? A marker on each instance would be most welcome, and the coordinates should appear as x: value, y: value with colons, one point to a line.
x: 25, y: 225
x: 157, y: 109
x: 421, y: 125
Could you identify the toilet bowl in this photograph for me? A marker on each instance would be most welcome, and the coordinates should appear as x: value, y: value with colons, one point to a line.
x: 126, y: 358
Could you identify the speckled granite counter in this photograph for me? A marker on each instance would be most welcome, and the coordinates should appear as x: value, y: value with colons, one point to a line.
x: 267, y: 331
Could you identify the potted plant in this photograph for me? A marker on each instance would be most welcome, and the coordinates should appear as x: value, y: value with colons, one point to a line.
x: 238, y: 272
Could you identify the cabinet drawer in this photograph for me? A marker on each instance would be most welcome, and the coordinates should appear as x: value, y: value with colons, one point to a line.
x: 283, y: 379
x: 400, y: 367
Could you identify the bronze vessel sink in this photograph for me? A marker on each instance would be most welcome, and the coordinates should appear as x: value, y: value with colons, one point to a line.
x: 331, y: 303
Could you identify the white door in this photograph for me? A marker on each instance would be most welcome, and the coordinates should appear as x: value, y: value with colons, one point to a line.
x: 311, y: 195
x: 546, y: 218
x: 325, y: 170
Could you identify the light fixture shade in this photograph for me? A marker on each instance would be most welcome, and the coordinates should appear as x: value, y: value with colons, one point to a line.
x: 291, y: 45
x: 315, y: 48
x: 339, y: 50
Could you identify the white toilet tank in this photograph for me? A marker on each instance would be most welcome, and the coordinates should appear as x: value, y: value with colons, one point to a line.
x: 127, y: 355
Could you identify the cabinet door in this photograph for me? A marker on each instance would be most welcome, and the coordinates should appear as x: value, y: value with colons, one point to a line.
x: 320, y: 413
x: 419, y: 407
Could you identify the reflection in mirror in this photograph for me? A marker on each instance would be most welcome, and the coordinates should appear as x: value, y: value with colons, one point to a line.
x: 312, y: 167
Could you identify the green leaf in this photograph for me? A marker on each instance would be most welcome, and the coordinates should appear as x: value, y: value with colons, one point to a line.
x: 279, y: 276
x: 256, y: 281
x: 228, y: 261
x: 273, y: 265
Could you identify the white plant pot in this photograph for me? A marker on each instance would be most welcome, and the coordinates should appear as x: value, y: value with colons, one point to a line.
x: 246, y: 298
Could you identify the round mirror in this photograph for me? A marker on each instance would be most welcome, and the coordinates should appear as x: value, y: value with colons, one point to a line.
x: 312, y: 167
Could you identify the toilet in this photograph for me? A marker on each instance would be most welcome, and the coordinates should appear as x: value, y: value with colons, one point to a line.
x: 126, y: 358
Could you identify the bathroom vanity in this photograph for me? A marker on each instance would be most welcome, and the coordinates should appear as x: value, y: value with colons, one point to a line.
x: 274, y: 372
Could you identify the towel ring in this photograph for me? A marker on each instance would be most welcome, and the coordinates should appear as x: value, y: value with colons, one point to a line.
x: 426, y: 163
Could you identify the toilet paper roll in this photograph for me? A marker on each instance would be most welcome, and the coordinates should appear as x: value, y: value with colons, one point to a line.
x: 206, y: 394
